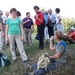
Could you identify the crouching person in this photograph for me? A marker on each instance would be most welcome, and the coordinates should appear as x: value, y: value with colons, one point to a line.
x: 70, y: 37
x: 14, y: 31
x: 58, y: 59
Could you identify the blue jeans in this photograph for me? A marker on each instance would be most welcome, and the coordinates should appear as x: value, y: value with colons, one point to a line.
x: 50, y: 67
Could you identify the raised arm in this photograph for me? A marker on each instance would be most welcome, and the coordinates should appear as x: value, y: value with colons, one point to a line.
x: 51, y: 44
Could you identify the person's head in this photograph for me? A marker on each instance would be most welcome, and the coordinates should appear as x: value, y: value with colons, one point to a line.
x: 36, y: 9
x: 50, y: 11
x: 46, y: 12
x: 18, y: 13
x: 57, y: 10
x: 72, y: 29
x: 7, y: 14
x: 13, y: 12
x: 1, y: 12
x: 58, y: 35
x: 28, y: 14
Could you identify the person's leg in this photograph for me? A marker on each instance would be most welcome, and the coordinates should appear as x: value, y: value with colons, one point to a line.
x: 20, y: 47
x: 33, y: 66
x: 30, y: 37
x: 12, y: 48
x: 41, y: 36
x: 15, y: 47
x: 1, y: 41
x: 39, y: 72
x: 26, y: 35
x: 71, y: 41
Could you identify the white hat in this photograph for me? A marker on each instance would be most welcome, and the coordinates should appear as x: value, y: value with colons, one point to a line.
x: 72, y: 28
x: 1, y: 12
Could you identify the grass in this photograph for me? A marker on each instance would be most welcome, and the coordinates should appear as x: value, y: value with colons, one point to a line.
x: 33, y: 53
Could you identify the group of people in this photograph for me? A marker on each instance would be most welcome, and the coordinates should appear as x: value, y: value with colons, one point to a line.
x: 49, y: 25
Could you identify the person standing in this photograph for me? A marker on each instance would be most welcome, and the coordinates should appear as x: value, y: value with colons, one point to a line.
x: 1, y: 31
x: 28, y: 25
x: 14, y: 31
x: 4, y: 25
x: 39, y: 20
x: 51, y: 23
x: 59, y: 26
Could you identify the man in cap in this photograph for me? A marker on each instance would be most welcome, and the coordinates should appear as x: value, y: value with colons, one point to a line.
x: 70, y: 36
x: 1, y: 30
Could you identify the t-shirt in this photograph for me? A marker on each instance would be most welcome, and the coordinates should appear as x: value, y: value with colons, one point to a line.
x: 28, y: 24
x: 41, y: 17
x: 61, y: 48
x: 13, y: 26
x: 1, y: 21
x: 72, y: 35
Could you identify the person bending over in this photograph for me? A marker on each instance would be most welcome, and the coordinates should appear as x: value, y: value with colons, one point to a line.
x: 70, y: 37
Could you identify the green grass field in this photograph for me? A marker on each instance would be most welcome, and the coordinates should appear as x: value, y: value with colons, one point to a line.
x: 33, y: 53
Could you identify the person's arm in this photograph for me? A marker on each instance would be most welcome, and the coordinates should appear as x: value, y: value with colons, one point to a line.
x: 51, y: 43
x: 56, y: 56
x: 6, y: 34
x: 32, y: 25
x: 1, y: 26
x: 24, y: 22
x: 22, y: 32
x: 40, y: 17
x: 60, y: 50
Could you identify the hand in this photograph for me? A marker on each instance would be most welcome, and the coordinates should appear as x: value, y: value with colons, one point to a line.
x: 22, y: 38
x: 28, y: 20
x: 36, y: 16
x: 50, y: 56
x: 52, y: 37
x: 7, y: 40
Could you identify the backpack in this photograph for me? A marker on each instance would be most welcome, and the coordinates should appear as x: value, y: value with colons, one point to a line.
x: 46, y: 18
x: 37, y: 36
x: 43, y: 62
x: 4, y: 60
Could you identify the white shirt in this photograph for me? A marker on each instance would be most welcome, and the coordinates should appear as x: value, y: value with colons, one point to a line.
x: 4, y: 19
x: 52, y: 17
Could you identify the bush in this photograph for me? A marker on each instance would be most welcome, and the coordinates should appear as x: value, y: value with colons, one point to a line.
x: 68, y: 22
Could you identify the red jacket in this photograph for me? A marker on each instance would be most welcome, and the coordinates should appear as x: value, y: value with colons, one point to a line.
x: 40, y: 16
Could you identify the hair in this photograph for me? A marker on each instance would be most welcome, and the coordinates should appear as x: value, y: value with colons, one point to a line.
x: 36, y: 7
x: 27, y: 13
x: 13, y: 10
x: 57, y: 10
x: 18, y: 13
x: 59, y: 35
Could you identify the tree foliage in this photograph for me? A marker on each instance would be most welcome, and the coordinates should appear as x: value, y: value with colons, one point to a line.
x: 68, y: 22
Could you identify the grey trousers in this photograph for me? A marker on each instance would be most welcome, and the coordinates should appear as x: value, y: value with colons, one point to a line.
x: 28, y: 36
x: 1, y: 41
x: 19, y: 43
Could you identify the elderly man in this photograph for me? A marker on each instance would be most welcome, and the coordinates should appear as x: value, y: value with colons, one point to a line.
x: 52, y: 17
x: 1, y: 30
x: 5, y: 17
x: 70, y: 36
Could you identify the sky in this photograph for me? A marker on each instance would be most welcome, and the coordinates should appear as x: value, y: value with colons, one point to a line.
x: 66, y: 6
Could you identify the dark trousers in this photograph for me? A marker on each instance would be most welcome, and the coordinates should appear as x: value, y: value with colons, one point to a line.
x: 40, y: 29
x: 50, y: 30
